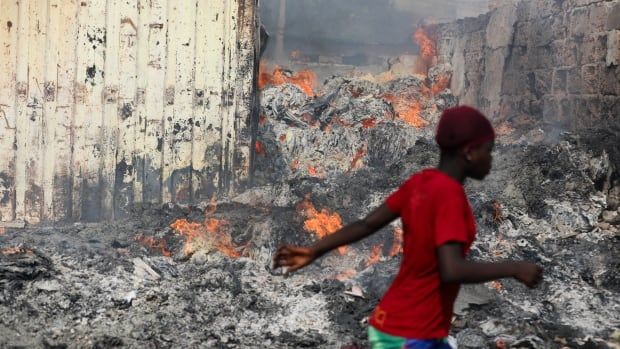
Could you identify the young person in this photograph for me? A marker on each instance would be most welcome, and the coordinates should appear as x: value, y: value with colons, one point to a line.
x: 439, y: 229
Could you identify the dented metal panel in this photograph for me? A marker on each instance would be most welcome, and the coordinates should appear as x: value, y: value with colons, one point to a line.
x: 109, y: 103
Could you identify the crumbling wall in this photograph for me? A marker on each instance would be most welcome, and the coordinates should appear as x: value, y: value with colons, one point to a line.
x: 552, y: 62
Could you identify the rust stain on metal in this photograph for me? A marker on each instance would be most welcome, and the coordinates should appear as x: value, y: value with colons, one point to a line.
x: 81, y: 93
x: 128, y: 20
x: 141, y: 96
x: 49, y: 91
x: 169, y: 95
x: 110, y: 94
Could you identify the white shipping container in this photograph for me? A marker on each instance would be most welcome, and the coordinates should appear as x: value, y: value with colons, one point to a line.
x: 109, y: 103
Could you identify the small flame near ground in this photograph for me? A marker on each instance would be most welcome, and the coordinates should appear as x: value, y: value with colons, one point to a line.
x: 321, y: 223
x: 397, y: 245
x: 375, y: 255
x: 212, y: 233
x: 496, y: 285
x: 7, y: 251
x: 154, y: 243
x: 306, y: 80
x: 407, y: 109
x: 425, y: 37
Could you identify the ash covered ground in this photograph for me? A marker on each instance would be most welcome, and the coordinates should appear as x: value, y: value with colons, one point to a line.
x: 199, y: 276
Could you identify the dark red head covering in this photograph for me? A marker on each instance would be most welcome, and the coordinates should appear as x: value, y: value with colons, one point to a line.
x: 463, y: 126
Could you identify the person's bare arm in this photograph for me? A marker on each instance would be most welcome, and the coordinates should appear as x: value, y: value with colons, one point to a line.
x: 355, y: 231
x: 295, y: 258
x: 454, y: 268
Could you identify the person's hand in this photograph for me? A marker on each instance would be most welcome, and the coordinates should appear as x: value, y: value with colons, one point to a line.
x: 528, y: 273
x: 292, y: 258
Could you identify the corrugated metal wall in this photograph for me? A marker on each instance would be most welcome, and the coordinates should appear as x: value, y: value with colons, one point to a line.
x: 106, y: 103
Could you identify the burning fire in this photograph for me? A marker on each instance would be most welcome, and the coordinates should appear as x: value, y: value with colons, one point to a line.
x: 345, y: 275
x: 397, y: 245
x: 407, y: 109
x: 321, y: 223
x: 369, y: 123
x: 496, y: 285
x: 211, y: 233
x: 375, y: 256
x: 154, y: 244
x: 498, y: 216
x: 357, y: 161
x: 15, y: 250
x: 260, y: 148
x: 306, y: 80
x: 425, y: 38
x: 441, y: 84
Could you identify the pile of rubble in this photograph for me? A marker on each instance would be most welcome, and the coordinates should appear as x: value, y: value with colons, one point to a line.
x: 200, y: 276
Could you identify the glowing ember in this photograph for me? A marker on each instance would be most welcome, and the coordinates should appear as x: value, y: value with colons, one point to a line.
x: 314, y: 172
x: 496, y: 285
x: 375, y: 256
x: 407, y: 109
x: 283, y: 138
x: 424, y: 37
x: 498, y: 216
x: 294, y: 165
x: 397, y: 245
x: 441, y: 84
x: 15, y: 250
x: 212, y: 233
x: 154, y: 244
x: 504, y: 129
x: 306, y: 79
x: 345, y: 275
x: 321, y: 223
x: 260, y: 148
x: 357, y: 162
x: 369, y: 123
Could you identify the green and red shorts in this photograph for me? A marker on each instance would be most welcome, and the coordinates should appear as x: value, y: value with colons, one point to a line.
x: 382, y: 340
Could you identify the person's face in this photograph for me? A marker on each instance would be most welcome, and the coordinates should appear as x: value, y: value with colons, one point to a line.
x: 479, y: 160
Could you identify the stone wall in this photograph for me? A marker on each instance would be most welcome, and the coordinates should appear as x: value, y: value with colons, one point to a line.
x: 552, y: 61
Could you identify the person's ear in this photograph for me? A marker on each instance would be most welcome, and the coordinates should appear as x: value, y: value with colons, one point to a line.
x: 467, y: 153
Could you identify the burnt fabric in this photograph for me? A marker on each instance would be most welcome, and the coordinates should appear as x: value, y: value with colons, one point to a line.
x: 463, y: 126
x: 434, y: 211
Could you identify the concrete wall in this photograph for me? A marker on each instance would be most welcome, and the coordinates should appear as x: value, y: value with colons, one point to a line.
x: 554, y: 61
x: 107, y: 103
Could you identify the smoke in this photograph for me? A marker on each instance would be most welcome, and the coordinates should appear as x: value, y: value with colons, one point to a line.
x: 354, y: 27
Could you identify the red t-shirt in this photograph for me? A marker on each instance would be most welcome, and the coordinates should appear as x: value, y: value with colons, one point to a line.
x: 434, y: 210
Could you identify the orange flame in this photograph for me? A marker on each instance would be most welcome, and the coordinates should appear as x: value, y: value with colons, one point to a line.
x: 321, y: 223
x: 407, y: 109
x: 210, y: 233
x: 306, y: 80
x: 425, y: 38
x: 441, y: 84
x: 375, y: 256
x: 314, y: 172
x: 357, y: 162
x: 369, y: 122
x: 260, y: 148
x: 496, y: 285
x: 154, y: 244
x: 397, y: 246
